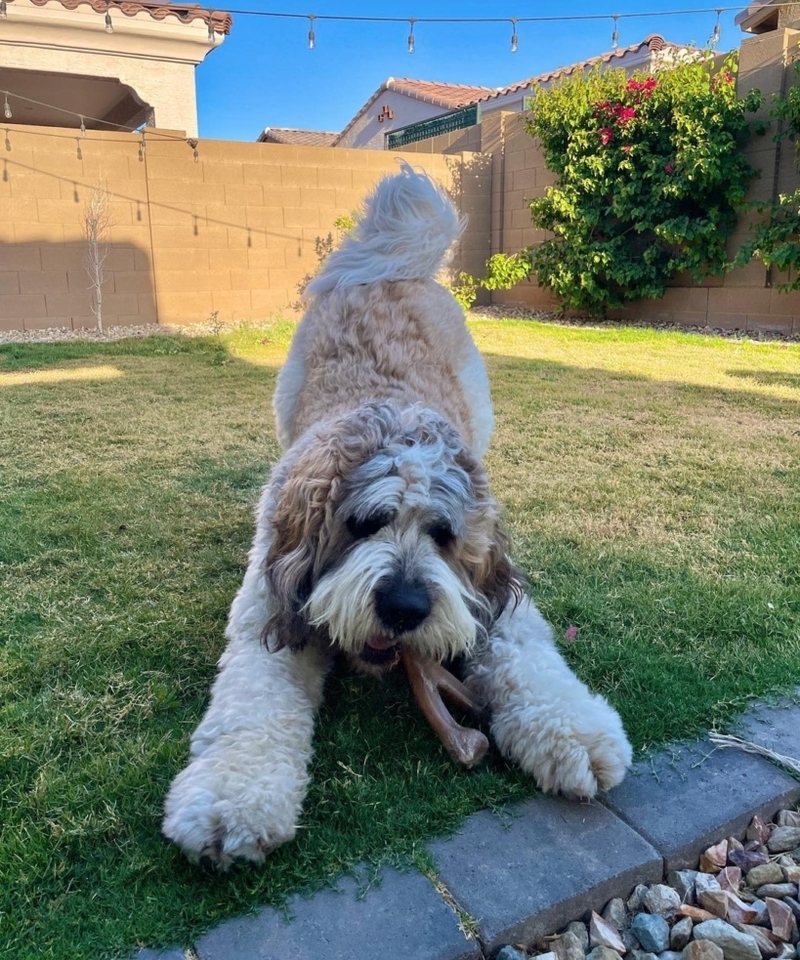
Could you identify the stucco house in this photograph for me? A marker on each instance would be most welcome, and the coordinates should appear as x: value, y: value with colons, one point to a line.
x: 404, y: 110
x: 766, y: 16
x: 105, y: 63
x: 397, y: 103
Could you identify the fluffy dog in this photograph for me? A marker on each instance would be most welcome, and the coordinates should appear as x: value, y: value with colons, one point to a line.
x: 377, y: 530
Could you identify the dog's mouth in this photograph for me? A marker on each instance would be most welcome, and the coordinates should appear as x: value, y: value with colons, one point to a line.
x: 380, y: 651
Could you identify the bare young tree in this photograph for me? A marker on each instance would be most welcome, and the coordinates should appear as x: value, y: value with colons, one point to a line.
x: 97, y: 233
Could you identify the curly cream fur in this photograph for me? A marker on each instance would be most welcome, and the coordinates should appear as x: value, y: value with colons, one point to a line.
x: 384, y: 412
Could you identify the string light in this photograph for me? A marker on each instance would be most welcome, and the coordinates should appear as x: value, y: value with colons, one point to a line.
x: 615, y: 33
x: 411, y: 21
x: 3, y: 10
x: 312, y: 39
x: 83, y: 128
x: 108, y: 21
x: 212, y: 37
x: 7, y: 109
x: 716, y: 34
x: 514, y: 38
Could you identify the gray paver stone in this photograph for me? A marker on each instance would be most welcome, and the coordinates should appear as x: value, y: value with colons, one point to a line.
x: 685, y: 798
x: 403, y: 916
x: 774, y: 727
x: 552, y: 861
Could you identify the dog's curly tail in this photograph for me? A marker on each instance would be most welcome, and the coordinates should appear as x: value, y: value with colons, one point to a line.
x: 408, y: 228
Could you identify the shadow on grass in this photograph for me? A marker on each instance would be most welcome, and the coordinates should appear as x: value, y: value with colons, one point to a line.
x: 768, y: 377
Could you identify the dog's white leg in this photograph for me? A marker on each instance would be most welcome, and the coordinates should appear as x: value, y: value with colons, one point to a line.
x: 242, y: 792
x: 542, y: 716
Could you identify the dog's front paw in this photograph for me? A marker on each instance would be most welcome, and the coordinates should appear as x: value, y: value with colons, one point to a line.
x: 222, y: 808
x: 577, y: 754
x: 580, y: 762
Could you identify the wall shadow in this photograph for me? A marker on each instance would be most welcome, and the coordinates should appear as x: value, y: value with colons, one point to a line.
x: 44, y: 283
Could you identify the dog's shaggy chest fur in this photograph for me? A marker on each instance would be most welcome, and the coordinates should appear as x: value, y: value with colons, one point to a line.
x: 377, y: 532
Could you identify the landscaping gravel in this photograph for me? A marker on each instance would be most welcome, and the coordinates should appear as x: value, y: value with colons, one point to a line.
x: 742, y: 904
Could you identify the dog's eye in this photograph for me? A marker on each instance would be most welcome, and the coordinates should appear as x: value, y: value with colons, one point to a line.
x: 361, y: 528
x: 441, y: 534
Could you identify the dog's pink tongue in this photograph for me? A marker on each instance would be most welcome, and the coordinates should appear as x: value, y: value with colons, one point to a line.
x: 381, y: 643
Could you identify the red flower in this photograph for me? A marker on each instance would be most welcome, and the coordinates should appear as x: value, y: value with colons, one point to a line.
x: 645, y: 87
x: 624, y: 114
x: 627, y: 148
x: 605, y: 135
x: 668, y: 167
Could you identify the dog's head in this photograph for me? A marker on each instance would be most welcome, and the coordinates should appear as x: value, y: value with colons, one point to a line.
x: 383, y: 534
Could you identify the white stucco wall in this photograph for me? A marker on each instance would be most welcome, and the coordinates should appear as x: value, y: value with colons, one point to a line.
x: 155, y: 58
x: 368, y: 133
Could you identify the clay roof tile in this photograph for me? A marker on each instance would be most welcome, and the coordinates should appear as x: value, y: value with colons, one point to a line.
x: 654, y: 42
x: 300, y: 138
x: 185, y: 12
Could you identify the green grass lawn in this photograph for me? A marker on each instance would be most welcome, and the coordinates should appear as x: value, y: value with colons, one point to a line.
x: 652, y: 484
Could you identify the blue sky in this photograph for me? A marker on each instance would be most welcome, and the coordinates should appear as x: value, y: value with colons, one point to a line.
x: 265, y: 75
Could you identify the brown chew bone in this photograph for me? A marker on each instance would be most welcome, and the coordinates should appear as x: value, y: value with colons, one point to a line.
x: 428, y: 681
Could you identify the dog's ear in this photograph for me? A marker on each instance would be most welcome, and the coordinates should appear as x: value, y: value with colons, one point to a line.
x: 498, y: 579
x: 305, y: 493
x: 495, y: 578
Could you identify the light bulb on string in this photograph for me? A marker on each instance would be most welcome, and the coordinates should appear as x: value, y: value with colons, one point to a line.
x: 411, y: 21
x: 109, y: 22
x: 212, y: 37
x: 7, y: 109
x: 83, y: 127
x: 514, y: 37
x: 3, y: 10
x: 716, y: 33
x: 615, y: 34
x: 312, y: 37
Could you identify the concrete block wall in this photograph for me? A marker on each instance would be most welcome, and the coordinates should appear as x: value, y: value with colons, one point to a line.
x: 45, y: 181
x: 232, y: 228
x: 219, y: 228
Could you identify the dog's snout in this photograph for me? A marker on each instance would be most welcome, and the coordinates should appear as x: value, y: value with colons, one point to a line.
x: 401, y: 606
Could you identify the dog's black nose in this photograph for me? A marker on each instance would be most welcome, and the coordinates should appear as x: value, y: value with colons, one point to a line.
x: 401, y: 606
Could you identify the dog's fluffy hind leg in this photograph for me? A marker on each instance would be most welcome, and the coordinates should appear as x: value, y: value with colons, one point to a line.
x: 542, y: 716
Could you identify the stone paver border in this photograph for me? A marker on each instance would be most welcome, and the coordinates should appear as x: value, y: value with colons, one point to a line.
x: 528, y: 874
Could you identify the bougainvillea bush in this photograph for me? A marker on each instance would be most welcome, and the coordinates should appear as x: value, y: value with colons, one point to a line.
x: 650, y: 176
x: 776, y: 239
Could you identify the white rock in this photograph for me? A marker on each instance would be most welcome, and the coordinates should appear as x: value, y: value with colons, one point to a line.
x: 603, y: 934
x: 634, y: 901
x: 578, y: 929
x: 704, y: 881
x: 614, y: 912
x: 662, y: 900
x: 568, y: 946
